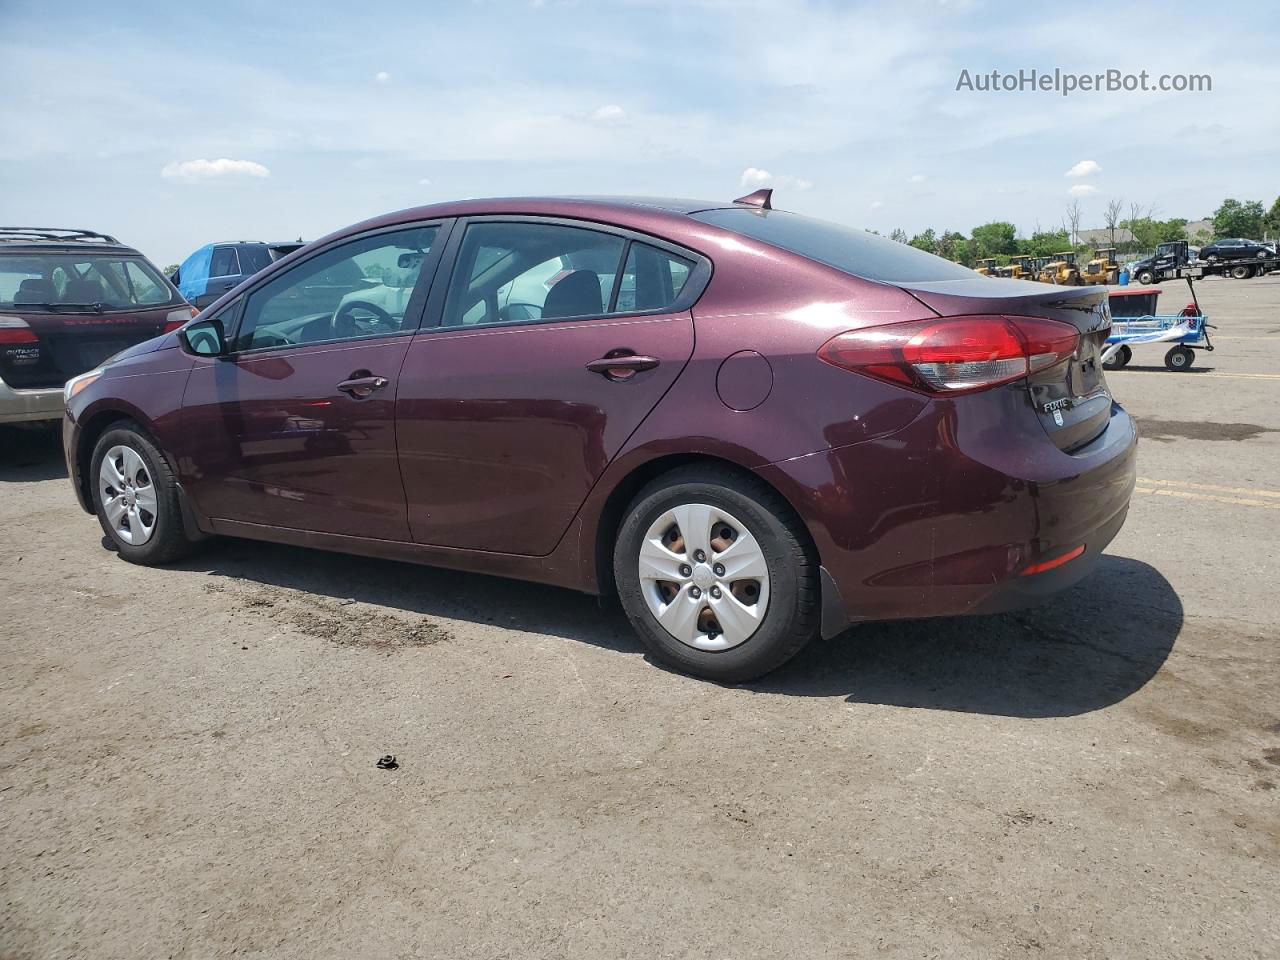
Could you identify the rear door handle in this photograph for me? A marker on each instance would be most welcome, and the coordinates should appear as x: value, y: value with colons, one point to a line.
x: 363, y: 386
x: 622, y: 367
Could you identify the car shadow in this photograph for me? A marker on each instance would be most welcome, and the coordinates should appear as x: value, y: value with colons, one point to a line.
x: 428, y: 591
x: 1086, y: 649
x: 1090, y: 647
x: 31, y: 453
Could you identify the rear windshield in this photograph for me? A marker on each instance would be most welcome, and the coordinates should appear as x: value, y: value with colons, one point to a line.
x: 856, y: 252
x: 60, y: 282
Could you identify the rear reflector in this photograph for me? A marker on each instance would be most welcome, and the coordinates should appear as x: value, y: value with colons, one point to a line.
x: 14, y: 330
x: 953, y: 354
x: 1054, y: 563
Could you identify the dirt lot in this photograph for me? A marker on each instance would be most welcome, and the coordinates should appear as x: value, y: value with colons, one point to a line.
x: 187, y: 756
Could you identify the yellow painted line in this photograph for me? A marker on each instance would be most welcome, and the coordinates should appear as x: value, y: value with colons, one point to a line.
x: 1190, y: 495
x: 1249, y: 491
x: 1242, y: 376
x: 1209, y: 373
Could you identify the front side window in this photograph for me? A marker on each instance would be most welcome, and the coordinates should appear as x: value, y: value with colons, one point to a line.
x: 525, y: 272
x: 60, y: 282
x: 224, y: 263
x: 356, y: 290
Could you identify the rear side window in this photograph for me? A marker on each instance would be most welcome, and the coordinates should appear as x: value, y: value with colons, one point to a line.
x: 526, y: 272
x: 224, y: 263
x: 651, y: 280
x: 856, y: 252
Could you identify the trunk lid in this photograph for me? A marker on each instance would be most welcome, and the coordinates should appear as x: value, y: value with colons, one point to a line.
x: 1071, y: 398
x: 70, y: 343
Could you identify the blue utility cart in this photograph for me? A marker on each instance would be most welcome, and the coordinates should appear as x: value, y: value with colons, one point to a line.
x: 1134, y: 321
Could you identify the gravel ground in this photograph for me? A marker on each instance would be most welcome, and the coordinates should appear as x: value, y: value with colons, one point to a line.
x: 187, y: 755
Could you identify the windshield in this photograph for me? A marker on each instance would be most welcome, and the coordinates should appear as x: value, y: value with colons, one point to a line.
x: 62, y: 281
x: 855, y: 252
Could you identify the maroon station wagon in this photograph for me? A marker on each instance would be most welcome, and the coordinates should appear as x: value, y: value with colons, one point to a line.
x: 751, y: 426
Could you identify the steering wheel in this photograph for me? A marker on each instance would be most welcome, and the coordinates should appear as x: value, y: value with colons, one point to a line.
x: 346, y: 325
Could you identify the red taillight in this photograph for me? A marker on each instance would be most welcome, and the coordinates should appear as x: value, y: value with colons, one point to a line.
x: 954, y: 354
x: 1054, y: 563
x: 178, y: 319
x: 14, y: 330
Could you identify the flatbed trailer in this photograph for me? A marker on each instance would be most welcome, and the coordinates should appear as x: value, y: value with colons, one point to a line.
x: 1173, y: 262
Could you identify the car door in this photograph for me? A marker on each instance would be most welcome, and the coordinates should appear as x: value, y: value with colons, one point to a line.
x: 552, y: 342
x: 295, y: 425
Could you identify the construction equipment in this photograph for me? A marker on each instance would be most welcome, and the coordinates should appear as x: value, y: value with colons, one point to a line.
x: 1103, y: 268
x: 1062, y: 270
x: 1020, y: 268
x: 986, y: 266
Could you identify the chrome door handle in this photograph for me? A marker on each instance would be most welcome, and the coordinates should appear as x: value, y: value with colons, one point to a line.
x: 362, y: 387
x: 622, y: 367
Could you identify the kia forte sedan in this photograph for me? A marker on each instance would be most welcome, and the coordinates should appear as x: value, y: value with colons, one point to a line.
x: 751, y: 427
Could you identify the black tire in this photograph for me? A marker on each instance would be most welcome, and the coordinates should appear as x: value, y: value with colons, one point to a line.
x: 168, y: 541
x: 1146, y: 277
x: 1179, y: 359
x: 1241, y: 272
x: 1120, y: 359
x: 793, y: 615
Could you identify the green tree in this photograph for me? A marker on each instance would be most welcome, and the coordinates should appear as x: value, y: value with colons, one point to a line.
x: 995, y: 238
x: 898, y: 234
x: 1272, y: 220
x: 1044, y: 243
x: 926, y: 241
x: 1236, y: 219
x: 952, y: 245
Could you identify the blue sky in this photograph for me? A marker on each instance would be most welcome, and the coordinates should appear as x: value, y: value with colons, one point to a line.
x: 119, y: 117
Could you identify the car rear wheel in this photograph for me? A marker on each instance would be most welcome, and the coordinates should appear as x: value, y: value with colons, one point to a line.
x: 1242, y: 272
x: 716, y: 574
x: 135, y: 497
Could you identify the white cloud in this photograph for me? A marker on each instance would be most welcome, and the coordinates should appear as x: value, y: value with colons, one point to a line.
x: 875, y: 205
x: 916, y: 178
x: 1085, y: 168
x: 756, y: 177
x: 190, y: 171
x: 424, y: 182
x: 609, y: 113
x: 1082, y: 190
x: 382, y: 76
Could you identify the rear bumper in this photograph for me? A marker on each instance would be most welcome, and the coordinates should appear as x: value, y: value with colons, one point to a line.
x: 20, y: 406
x: 942, y: 517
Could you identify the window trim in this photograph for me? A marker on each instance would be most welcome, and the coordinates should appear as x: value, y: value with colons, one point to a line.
x: 690, y: 293
x: 413, y: 312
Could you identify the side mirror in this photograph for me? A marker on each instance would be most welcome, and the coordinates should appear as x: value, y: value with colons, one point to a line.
x: 204, y: 338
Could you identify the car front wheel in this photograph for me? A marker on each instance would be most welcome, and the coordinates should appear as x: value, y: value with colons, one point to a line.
x: 716, y: 574
x: 135, y: 497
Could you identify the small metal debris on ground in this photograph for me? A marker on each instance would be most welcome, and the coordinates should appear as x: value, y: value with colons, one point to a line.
x: 387, y: 763
x: 347, y: 602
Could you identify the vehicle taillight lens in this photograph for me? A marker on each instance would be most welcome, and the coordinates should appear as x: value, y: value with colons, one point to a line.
x: 953, y: 354
x: 178, y: 318
x: 14, y: 330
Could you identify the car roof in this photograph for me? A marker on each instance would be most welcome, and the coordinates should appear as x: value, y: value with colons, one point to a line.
x: 662, y: 216
x: 60, y: 240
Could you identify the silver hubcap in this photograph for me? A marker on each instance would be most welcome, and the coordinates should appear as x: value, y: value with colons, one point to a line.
x: 704, y: 577
x: 128, y: 495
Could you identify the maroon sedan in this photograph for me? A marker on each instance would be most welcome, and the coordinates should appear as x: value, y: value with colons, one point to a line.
x: 751, y: 426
